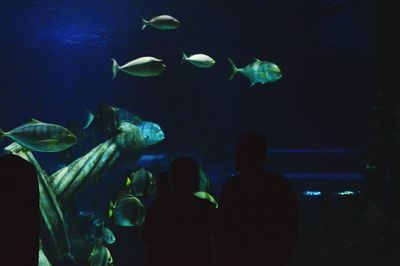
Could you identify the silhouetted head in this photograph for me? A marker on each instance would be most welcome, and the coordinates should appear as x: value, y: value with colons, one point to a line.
x: 250, y: 152
x: 184, y: 175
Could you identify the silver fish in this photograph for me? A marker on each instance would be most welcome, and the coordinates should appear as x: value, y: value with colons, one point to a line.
x: 141, y: 183
x: 100, y: 256
x: 146, y: 66
x: 163, y: 22
x: 199, y: 60
x: 98, y: 232
x: 127, y: 211
x: 42, y: 137
x: 108, y: 236
x: 258, y: 72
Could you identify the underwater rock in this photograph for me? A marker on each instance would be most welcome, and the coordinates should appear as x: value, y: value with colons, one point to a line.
x: 54, y: 234
x: 126, y: 146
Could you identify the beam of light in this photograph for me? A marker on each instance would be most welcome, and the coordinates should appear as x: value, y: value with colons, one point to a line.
x: 79, y: 33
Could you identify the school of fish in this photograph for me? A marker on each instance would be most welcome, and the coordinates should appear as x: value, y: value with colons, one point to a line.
x: 260, y: 71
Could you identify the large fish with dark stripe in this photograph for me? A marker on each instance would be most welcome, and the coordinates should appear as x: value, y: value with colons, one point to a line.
x: 42, y: 137
x: 151, y: 132
x: 257, y: 72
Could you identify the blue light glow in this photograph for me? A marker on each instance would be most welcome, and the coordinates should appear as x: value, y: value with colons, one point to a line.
x: 310, y: 193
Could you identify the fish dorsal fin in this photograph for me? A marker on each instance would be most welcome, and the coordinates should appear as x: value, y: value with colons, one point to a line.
x: 136, y: 120
x: 111, y: 207
x: 35, y: 121
x: 128, y: 182
x: 257, y: 60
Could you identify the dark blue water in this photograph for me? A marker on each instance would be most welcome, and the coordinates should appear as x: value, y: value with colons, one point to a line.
x: 55, y: 63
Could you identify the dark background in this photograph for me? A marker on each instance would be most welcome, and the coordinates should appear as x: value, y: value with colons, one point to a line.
x: 55, y: 62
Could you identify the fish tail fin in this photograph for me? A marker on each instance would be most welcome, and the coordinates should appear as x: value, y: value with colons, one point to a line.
x: 234, y: 69
x: 1, y: 133
x: 90, y: 117
x: 145, y: 23
x: 184, y: 58
x: 115, y: 68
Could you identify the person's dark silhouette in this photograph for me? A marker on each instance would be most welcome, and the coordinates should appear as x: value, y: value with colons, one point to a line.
x: 257, y: 211
x: 177, y: 227
x: 20, y: 211
x: 163, y: 185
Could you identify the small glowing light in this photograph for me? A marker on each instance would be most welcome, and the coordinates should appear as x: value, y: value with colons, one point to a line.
x: 312, y: 193
x: 347, y: 193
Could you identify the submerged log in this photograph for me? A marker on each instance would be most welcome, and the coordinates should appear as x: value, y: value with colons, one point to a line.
x: 126, y: 146
x: 54, y: 234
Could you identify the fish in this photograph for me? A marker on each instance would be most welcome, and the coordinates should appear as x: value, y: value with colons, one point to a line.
x: 146, y: 66
x: 141, y: 183
x: 151, y: 132
x: 41, y: 137
x: 207, y: 196
x: 100, y: 256
x: 89, y: 119
x: 163, y: 22
x: 108, y: 119
x: 105, y: 120
x: 108, y: 236
x: 127, y: 210
x: 98, y: 232
x: 257, y: 72
x: 205, y: 181
x: 127, y: 116
x: 199, y: 60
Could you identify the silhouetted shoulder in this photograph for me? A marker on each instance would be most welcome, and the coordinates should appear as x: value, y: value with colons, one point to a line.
x: 20, y: 194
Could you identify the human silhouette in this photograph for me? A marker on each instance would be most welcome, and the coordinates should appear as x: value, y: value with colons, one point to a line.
x: 257, y: 211
x: 178, y: 225
x: 20, y: 211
